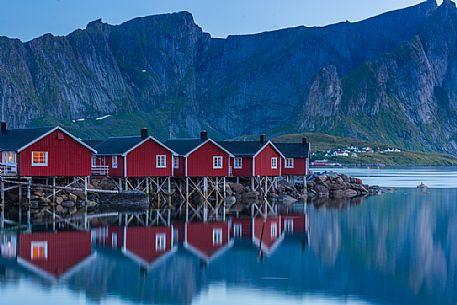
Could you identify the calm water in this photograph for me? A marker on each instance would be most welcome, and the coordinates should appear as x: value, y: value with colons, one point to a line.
x: 398, y: 248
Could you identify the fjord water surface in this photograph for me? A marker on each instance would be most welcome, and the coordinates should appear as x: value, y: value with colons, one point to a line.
x: 397, y: 248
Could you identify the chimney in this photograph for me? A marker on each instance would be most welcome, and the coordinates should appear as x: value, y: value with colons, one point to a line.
x: 203, y: 135
x: 144, y: 133
x: 304, y: 141
x: 263, y: 138
x: 3, y: 127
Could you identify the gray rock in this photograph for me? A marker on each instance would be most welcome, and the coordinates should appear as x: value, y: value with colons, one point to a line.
x: 68, y: 204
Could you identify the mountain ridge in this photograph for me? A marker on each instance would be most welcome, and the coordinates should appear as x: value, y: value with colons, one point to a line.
x: 389, y: 78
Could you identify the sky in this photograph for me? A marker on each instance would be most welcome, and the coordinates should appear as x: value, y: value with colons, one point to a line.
x: 27, y: 19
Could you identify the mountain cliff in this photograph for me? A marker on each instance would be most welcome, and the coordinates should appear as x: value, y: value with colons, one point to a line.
x: 391, y: 78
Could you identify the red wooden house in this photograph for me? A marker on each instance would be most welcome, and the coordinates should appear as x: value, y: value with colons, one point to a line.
x: 296, y: 155
x: 254, y: 158
x: 207, y: 240
x: 201, y: 157
x: 133, y: 156
x: 148, y: 246
x: 43, y: 152
x: 54, y: 255
x: 267, y: 233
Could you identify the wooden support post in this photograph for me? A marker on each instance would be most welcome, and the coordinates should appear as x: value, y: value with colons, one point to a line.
x: 53, y: 190
x: 252, y: 184
x: 187, y: 199
x: 126, y: 184
x: 205, y: 196
x: 237, y: 179
x: 86, y: 182
x: 225, y: 199
x: 2, y: 192
x: 217, y: 197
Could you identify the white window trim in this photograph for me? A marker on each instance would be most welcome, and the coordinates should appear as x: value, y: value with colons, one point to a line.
x: 40, y: 244
x: 237, y: 230
x: 240, y: 165
x: 217, y: 232
x: 159, y: 245
x: 275, y: 163
x: 158, y: 165
x: 175, y: 162
x: 45, y: 158
x: 222, y: 162
x: 291, y: 165
x: 289, y: 225
x: 114, y: 163
x: 274, y: 230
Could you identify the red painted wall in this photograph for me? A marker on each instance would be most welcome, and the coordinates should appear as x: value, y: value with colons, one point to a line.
x: 263, y: 162
x: 113, y: 172
x: 299, y: 222
x: 66, y: 158
x: 181, y: 170
x: 246, y: 171
x: 246, y: 226
x: 141, y: 162
x: 200, y: 162
x: 298, y: 170
x: 141, y: 241
x: 200, y: 236
x: 65, y: 250
x: 268, y: 241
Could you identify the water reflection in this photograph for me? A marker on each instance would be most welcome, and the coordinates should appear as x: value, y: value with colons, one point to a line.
x: 397, y: 248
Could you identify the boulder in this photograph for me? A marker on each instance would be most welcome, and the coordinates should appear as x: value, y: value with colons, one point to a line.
x: 350, y: 193
x: 68, y: 204
x: 236, y: 187
x: 60, y: 208
x: 286, y: 199
x: 72, y: 197
x: 230, y: 200
x: 338, y: 193
x: 321, y: 189
x: 59, y: 200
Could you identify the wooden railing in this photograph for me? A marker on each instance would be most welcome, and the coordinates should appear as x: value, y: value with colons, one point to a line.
x: 8, y: 169
x: 100, y: 170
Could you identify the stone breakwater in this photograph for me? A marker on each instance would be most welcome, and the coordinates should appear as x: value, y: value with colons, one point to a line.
x: 328, y: 188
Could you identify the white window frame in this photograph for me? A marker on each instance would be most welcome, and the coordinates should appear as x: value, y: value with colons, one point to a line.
x: 217, y: 237
x: 40, y: 244
x: 175, y: 162
x: 94, y: 160
x: 161, y: 242
x: 215, y: 161
x: 288, y: 225
x: 237, y: 230
x: 114, y: 162
x: 161, y: 161
x: 274, y: 229
x: 45, y: 159
x: 289, y: 163
x: 239, y: 164
x: 274, y: 162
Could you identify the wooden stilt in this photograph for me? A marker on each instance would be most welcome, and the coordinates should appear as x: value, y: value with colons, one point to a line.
x: 187, y: 199
x: 53, y: 190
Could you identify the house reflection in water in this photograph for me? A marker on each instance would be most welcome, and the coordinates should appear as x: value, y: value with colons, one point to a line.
x: 51, y: 255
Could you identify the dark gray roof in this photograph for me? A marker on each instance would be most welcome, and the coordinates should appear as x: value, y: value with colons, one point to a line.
x: 242, y: 148
x: 183, y: 146
x: 117, y: 145
x: 293, y: 150
x: 14, y: 139
x: 92, y: 143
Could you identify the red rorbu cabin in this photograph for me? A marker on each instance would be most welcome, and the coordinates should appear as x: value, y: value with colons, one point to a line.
x: 296, y: 155
x: 133, y: 156
x: 148, y: 246
x: 43, y: 152
x: 54, y: 255
x: 207, y: 240
x: 267, y: 233
x: 200, y: 157
x: 254, y: 158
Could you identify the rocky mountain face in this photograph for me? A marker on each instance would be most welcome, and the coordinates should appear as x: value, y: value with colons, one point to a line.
x: 390, y: 78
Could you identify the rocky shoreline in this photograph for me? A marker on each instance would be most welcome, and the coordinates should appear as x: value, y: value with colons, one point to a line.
x: 328, y: 189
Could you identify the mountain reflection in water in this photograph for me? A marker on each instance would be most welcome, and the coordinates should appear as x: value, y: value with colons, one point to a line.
x: 399, y: 248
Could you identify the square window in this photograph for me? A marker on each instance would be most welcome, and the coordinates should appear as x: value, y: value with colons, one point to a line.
x: 237, y: 230
x: 161, y: 242
x: 39, y: 158
x: 238, y: 163
x: 217, y: 237
x: 161, y: 161
x: 274, y: 229
x: 114, y: 162
x: 176, y: 162
x: 39, y: 250
x: 289, y: 225
x: 274, y: 162
x: 290, y: 163
x: 217, y: 161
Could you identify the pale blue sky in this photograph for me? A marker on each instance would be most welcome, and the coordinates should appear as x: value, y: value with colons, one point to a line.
x: 26, y: 19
